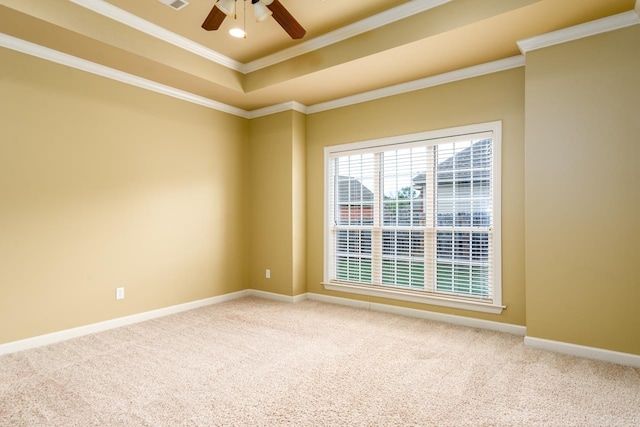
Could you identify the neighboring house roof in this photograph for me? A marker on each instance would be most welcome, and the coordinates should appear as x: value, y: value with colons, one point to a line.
x: 477, y: 156
x: 351, y: 191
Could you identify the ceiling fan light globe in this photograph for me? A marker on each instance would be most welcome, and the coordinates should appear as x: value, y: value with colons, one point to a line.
x: 227, y: 6
x: 238, y: 33
x: 260, y: 11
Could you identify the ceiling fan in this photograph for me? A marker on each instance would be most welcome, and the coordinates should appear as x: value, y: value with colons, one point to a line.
x: 223, y: 8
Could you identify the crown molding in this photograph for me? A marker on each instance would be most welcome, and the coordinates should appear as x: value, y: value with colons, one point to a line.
x: 610, y: 23
x: 406, y: 10
x: 440, y: 79
x: 278, y: 108
x: 399, y: 12
x: 61, y: 58
x: 387, y: 17
x: 110, y: 11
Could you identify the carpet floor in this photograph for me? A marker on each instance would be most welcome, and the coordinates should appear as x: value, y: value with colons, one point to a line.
x: 255, y: 362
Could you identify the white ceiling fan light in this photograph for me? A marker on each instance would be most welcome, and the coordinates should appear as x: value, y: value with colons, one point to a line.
x: 260, y: 10
x: 227, y: 6
x: 238, y: 33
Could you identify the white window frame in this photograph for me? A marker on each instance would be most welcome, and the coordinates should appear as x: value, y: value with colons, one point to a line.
x: 495, y: 306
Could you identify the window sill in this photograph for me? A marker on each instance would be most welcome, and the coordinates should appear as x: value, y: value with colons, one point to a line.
x: 413, y: 296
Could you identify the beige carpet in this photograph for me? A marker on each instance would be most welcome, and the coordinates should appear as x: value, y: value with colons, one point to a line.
x: 254, y: 362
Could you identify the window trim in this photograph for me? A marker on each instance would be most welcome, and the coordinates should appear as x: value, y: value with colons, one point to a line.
x: 495, y: 307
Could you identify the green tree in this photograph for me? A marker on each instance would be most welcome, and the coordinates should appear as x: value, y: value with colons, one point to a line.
x: 406, y: 193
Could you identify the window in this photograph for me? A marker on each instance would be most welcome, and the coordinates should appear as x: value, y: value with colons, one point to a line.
x: 417, y: 217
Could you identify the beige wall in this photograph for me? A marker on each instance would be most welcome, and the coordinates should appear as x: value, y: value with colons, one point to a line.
x: 583, y: 191
x: 277, y: 170
x: 299, y: 200
x: 105, y: 185
x: 498, y: 96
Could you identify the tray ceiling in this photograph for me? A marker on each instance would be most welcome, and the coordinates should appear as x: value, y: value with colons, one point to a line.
x: 350, y: 47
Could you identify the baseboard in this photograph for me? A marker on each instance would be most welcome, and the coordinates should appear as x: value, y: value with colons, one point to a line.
x: 583, y: 351
x: 403, y: 311
x: 59, y: 336
x: 54, y: 337
x: 543, y: 344
x: 276, y: 297
x: 423, y: 314
x: 340, y: 301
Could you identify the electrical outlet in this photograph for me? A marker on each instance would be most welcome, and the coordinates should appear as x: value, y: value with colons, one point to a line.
x: 119, y: 293
x: 267, y: 274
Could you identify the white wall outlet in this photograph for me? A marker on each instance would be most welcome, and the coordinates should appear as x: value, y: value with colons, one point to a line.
x: 119, y: 293
x: 267, y: 274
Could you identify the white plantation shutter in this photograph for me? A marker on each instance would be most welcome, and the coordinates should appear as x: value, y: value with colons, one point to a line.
x: 464, y: 217
x: 352, y: 206
x: 419, y: 216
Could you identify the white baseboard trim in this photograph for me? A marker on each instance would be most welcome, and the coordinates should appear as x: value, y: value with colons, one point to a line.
x: 583, y: 351
x: 300, y: 297
x: 423, y: 314
x: 539, y: 343
x: 55, y: 337
x: 276, y: 297
x: 340, y: 301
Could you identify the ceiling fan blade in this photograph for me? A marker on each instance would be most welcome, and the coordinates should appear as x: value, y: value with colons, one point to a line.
x: 214, y: 19
x: 286, y: 21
